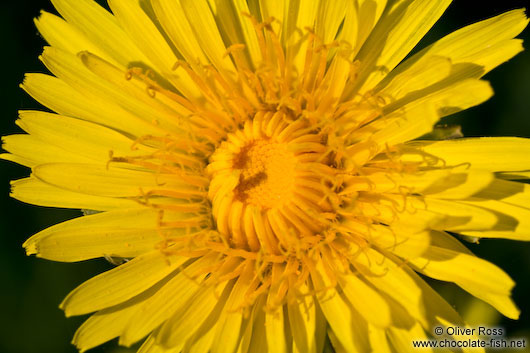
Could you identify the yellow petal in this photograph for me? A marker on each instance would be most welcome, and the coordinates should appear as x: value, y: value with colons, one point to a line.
x: 31, y: 151
x: 150, y: 346
x: 275, y: 330
x: 176, y: 25
x: 272, y: 9
x: 258, y: 343
x: 104, y: 326
x: 383, y: 182
x: 504, y: 304
x: 133, y: 277
x: 492, y: 154
x: 207, y: 34
x: 300, y: 14
x: 366, y: 300
x: 329, y: 17
x: 163, y: 111
x: 302, y: 320
x: 201, y: 341
x: 28, y: 162
x: 84, y: 103
x: 63, y: 35
x: 248, y: 324
x: 478, y: 42
x: 166, y: 302
x: 400, y: 283
x: 34, y: 191
x: 96, y: 179
x: 146, y: 36
x: 517, y: 194
x: 208, y: 302
x: 73, y: 71
x: 91, y: 141
x: 349, y: 34
x: 513, y: 221
x: 394, y: 239
x: 411, y: 122
x: 485, y: 44
x: 99, y: 26
x: 237, y: 28
x: 417, y: 117
x: 394, y: 36
x: 392, y: 280
x: 369, y: 13
x: 401, y: 338
x: 378, y: 340
x: 460, y: 216
x: 227, y: 337
x: 420, y: 76
x: 446, y: 241
x: 447, y: 95
x: 384, y: 209
x: 274, y: 317
x: 348, y: 327
x: 99, y: 235
x: 475, y: 275
x: 461, y: 185
x: 437, y: 310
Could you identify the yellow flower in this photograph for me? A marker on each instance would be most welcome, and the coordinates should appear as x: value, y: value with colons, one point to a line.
x: 258, y: 175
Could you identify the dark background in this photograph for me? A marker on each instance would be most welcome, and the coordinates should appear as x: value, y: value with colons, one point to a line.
x: 31, y: 288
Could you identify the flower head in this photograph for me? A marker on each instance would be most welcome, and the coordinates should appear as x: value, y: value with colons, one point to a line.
x: 258, y: 170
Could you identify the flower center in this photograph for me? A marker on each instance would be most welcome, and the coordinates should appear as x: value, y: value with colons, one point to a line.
x: 266, y: 186
x: 267, y: 173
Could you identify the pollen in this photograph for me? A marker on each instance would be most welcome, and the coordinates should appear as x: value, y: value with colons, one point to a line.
x: 267, y: 173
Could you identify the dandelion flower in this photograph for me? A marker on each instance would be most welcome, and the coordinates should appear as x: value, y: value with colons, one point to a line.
x: 256, y: 170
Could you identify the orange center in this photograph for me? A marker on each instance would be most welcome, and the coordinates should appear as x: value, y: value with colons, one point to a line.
x: 267, y: 173
x: 265, y: 188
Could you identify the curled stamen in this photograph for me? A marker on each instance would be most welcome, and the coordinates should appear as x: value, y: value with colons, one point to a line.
x: 234, y: 48
x: 151, y: 91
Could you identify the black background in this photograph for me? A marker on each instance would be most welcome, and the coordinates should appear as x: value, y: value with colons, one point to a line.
x: 31, y: 289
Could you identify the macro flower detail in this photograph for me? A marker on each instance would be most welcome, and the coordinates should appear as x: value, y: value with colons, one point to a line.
x: 261, y: 171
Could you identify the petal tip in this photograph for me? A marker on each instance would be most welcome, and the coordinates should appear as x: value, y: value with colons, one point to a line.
x: 30, y: 247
